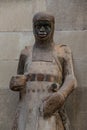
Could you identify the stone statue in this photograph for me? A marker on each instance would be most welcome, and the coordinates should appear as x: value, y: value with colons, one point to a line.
x: 44, y: 79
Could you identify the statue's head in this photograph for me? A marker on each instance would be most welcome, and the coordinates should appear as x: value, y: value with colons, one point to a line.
x: 43, y: 26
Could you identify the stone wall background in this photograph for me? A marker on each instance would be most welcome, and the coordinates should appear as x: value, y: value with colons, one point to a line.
x: 16, y: 32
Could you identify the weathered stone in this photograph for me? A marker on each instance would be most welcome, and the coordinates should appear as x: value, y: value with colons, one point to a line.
x: 77, y: 109
x: 8, y: 104
x: 81, y: 72
x: 43, y: 28
x: 19, y: 16
x: 7, y: 70
x: 69, y: 14
x: 11, y: 44
x: 16, y: 15
x: 16, y: 41
x: 76, y: 40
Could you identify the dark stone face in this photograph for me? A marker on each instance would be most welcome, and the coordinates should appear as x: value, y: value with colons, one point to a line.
x: 42, y: 29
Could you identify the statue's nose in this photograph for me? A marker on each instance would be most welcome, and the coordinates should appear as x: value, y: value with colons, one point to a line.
x: 42, y: 29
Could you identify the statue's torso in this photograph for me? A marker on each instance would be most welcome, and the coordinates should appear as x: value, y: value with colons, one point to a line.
x: 38, y: 90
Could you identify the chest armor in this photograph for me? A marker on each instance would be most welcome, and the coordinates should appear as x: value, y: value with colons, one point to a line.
x: 45, y: 63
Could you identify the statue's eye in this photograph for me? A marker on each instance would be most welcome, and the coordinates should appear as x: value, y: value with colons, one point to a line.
x: 37, y: 26
x: 47, y: 27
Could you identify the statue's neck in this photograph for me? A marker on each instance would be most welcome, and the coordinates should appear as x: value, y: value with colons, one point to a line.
x: 43, y: 51
x: 44, y: 44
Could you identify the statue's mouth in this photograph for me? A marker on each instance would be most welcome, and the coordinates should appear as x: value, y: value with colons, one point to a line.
x: 42, y: 34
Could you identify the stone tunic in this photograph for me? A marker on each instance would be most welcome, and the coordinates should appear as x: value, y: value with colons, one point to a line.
x: 29, y: 114
x: 37, y: 91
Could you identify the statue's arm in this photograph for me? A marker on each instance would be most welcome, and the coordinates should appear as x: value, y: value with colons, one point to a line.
x: 69, y: 83
x: 18, y: 82
x: 21, y: 64
x: 54, y: 102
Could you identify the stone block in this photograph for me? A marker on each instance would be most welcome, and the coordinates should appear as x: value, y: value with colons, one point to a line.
x: 82, y: 124
x: 8, y: 105
x: 80, y: 67
x: 76, y: 40
x: 19, y: 16
x: 69, y: 14
x: 7, y: 70
x: 76, y: 107
x: 11, y: 44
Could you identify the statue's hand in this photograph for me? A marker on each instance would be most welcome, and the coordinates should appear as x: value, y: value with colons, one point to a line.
x: 18, y: 82
x: 52, y: 104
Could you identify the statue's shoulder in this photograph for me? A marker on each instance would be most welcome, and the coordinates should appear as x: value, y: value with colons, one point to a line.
x: 26, y: 51
x: 62, y: 49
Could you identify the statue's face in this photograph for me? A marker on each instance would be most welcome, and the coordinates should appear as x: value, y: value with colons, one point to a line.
x: 42, y: 29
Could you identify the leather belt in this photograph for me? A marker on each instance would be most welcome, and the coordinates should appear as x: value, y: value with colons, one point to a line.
x: 42, y: 77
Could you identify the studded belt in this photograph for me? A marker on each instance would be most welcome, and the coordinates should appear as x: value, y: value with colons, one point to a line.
x: 42, y: 77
